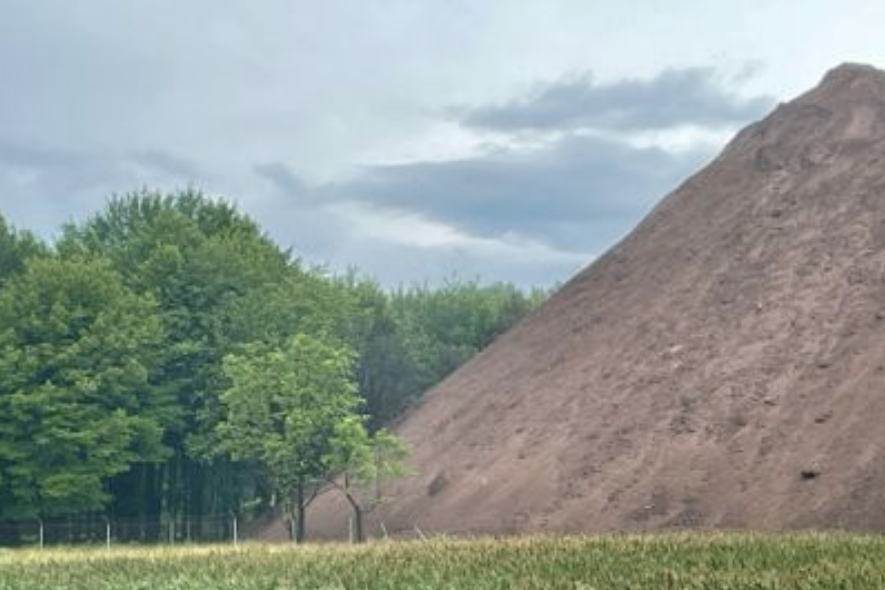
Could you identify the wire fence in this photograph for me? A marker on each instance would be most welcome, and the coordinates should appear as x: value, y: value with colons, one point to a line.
x: 109, y: 532
x: 115, y: 532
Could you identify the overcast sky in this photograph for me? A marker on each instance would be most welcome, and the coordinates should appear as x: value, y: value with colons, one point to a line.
x: 504, y: 139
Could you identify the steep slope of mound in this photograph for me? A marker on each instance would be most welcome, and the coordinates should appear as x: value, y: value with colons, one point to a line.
x: 723, y: 366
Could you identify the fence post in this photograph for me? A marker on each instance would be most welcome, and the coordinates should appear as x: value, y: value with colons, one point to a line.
x: 172, y: 532
x: 350, y: 529
x: 107, y: 533
x: 40, y: 533
x: 420, y: 533
x: 235, y: 531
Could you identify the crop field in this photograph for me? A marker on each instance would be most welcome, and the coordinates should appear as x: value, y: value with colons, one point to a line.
x: 718, y: 561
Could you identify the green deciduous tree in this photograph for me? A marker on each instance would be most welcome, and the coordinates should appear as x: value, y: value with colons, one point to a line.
x: 360, y: 463
x: 213, y: 286
x: 411, y: 339
x: 16, y: 247
x: 214, y: 275
x: 283, y: 406
x: 76, y: 349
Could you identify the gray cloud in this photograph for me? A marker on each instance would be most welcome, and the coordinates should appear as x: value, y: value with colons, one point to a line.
x: 672, y: 98
x: 282, y: 178
x: 42, y: 188
x: 580, y: 192
x: 168, y: 164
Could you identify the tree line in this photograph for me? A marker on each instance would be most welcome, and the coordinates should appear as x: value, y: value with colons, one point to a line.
x: 165, y: 357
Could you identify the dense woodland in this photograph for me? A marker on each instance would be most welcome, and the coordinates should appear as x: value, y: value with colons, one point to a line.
x: 125, y: 343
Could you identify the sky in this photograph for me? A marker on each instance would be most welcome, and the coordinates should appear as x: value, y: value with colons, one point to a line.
x: 504, y: 140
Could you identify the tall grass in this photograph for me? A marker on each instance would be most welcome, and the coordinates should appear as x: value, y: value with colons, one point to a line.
x: 626, y: 562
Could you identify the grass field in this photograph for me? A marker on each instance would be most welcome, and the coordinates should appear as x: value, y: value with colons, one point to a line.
x: 654, y: 562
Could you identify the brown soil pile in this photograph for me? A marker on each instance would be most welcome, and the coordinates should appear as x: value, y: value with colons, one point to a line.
x: 723, y: 366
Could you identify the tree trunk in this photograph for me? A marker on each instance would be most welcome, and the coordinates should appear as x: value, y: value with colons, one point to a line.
x: 299, y: 513
x: 358, y: 535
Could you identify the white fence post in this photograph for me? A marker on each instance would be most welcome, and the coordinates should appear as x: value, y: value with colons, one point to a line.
x: 420, y: 533
x: 236, y: 532
x: 40, y: 534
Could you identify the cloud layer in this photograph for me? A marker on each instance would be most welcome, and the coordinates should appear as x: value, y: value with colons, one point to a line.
x: 359, y: 153
x: 674, y: 97
x: 577, y: 193
x: 560, y: 176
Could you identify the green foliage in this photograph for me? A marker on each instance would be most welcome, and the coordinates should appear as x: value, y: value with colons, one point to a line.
x: 15, y: 249
x: 219, y: 283
x: 415, y: 337
x: 361, y: 463
x: 618, y: 562
x: 294, y: 410
x: 366, y: 459
x: 76, y: 349
x: 128, y: 391
x: 284, y: 404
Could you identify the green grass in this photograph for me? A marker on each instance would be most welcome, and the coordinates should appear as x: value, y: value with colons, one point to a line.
x: 725, y: 561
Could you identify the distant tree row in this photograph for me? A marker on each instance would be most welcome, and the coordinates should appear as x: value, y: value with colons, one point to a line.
x: 167, y: 358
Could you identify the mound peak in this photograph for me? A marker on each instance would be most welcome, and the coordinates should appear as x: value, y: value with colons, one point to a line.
x: 847, y: 107
x: 853, y: 78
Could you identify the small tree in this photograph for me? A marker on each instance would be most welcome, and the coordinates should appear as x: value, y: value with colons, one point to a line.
x: 360, y: 464
x: 283, y: 407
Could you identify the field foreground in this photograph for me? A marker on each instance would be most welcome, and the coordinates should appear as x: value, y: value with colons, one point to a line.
x: 685, y: 560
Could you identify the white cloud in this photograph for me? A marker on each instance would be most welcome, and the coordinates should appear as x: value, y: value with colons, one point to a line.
x: 681, y: 139
x: 413, y: 230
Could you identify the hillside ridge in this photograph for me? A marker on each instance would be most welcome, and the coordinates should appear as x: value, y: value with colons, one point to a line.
x: 722, y: 366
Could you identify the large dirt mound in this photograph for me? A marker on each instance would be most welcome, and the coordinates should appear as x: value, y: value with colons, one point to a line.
x: 723, y: 366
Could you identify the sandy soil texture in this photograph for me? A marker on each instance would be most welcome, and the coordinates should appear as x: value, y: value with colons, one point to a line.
x: 722, y: 366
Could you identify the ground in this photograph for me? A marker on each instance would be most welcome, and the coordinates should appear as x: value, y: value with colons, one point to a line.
x: 699, y: 561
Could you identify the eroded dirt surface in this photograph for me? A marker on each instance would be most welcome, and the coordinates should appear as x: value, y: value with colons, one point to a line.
x: 723, y: 366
